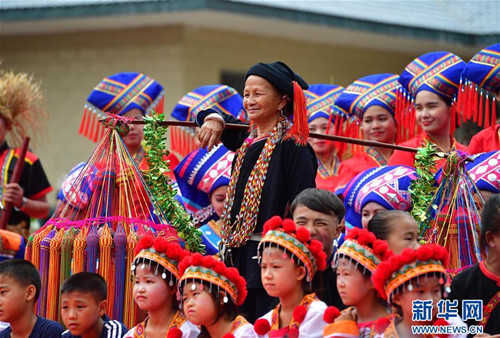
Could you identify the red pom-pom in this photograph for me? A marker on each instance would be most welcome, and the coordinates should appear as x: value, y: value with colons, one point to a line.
x: 321, y: 261
x: 289, y: 226
x: 228, y: 335
x: 303, y: 234
x: 315, y: 247
x: 272, y: 223
x: 174, y: 333
x: 293, y: 333
x: 299, y: 313
x: 144, y: 243
x: 441, y: 322
x: 331, y: 313
x: 261, y: 326
x: 382, y: 324
x: 160, y: 244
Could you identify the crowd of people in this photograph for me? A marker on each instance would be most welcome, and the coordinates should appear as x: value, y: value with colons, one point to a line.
x: 303, y: 237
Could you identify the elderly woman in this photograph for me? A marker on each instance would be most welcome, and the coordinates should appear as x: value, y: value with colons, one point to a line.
x: 272, y: 165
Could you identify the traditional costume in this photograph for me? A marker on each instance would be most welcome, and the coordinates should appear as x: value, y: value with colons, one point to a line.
x: 480, y: 82
x: 167, y: 255
x: 268, y: 173
x: 387, y: 186
x: 363, y: 249
x: 295, y: 241
x: 373, y: 90
x: 397, y: 275
x: 320, y: 99
x: 485, y: 171
x: 22, y: 111
x: 211, y: 273
x: 439, y: 73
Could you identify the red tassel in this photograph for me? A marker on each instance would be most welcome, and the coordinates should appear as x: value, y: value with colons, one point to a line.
x: 92, y: 123
x: 329, y: 124
x: 481, y: 110
x: 97, y: 130
x: 159, y: 106
x: 452, y: 119
x: 487, y: 113
x: 493, y: 120
x: 475, y: 102
x: 300, y: 129
x: 470, y: 102
x: 83, y: 123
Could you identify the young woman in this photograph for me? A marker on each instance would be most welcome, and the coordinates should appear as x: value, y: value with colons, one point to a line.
x: 210, y: 293
x: 289, y: 259
x: 397, y: 227
x: 355, y: 262
x: 156, y: 278
x: 371, y: 99
x: 375, y: 190
x: 414, y: 275
x: 482, y: 281
x: 273, y: 163
x: 432, y: 80
x: 321, y: 119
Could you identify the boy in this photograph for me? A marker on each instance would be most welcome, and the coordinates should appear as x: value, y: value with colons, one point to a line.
x: 322, y: 212
x: 19, y: 289
x: 83, y: 305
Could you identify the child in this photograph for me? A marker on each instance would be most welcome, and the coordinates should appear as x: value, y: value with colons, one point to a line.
x: 156, y: 276
x: 210, y: 293
x: 355, y: 262
x: 83, y: 306
x: 414, y: 275
x: 19, y: 289
x: 289, y: 259
x: 482, y: 281
x: 396, y: 227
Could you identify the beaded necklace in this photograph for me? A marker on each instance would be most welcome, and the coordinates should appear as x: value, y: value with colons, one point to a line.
x: 237, y: 234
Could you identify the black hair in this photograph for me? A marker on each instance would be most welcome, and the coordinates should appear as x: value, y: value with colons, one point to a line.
x: 87, y: 283
x: 22, y: 272
x: 490, y: 219
x: 320, y: 200
x: 380, y: 224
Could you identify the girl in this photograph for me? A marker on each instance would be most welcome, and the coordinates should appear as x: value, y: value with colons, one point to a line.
x: 414, y: 275
x: 375, y: 190
x: 321, y: 120
x: 372, y: 100
x: 432, y: 81
x: 396, y: 227
x: 156, y: 277
x: 482, y: 281
x: 289, y: 259
x: 355, y: 262
x: 210, y: 293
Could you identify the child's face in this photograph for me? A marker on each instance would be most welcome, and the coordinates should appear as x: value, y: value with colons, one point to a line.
x: 150, y: 290
x: 279, y: 273
x: 403, y: 234
x: 198, y: 305
x: 15, y: 299
x: 353, y: 287
x: 81, y: 312
x: 424, y: 289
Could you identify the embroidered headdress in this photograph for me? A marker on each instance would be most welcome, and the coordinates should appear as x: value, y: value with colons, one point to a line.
x: 296, y: 241
x: 320, y: 99
x: 117, y: 94
x: 21, y: 106
x: 167, y: 255
x: 197, y: 268
x: 396, y: 273
x: 362, y: 247
x: 478, y: 85
x: 387, y: 186
x: 485, y: 171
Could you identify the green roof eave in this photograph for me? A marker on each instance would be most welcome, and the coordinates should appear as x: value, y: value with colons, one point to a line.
x: 147, y: 7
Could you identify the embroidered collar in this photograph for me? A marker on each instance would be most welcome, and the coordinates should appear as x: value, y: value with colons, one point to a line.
x: 295, y: 322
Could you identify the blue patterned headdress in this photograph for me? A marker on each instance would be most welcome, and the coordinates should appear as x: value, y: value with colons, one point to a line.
x: 118, y: 94
x: 485, y: 171
x: 371, y: 90
x: 320, y: 99
x: 387, y: 186
x: 200, y: 173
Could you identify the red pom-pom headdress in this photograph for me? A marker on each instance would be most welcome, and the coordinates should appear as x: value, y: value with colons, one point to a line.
x: 297, y: 241
x: 166, y: 253
x: 206, y: 268
x: 399, y: 269
x: 364, y: 248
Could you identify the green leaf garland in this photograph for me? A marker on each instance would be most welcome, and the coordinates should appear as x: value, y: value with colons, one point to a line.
x: 161, y: 185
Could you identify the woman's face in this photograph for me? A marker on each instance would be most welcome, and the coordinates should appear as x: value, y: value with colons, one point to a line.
x: 320, y: 125
x: 378, y: 124
x: 368, y: 211
x: 432, y: 113
x: 217, y: 199
x: 261, y: 100
x: 136, y: 135
x: 353, y: 287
